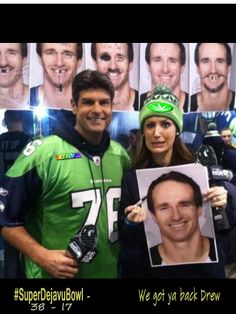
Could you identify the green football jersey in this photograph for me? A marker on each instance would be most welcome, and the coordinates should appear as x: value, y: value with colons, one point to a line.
x: 75, y: 191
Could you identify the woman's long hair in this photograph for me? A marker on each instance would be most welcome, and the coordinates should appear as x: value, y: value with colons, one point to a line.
x: 181, y: 155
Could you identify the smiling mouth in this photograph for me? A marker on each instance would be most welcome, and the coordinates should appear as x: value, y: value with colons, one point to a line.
x: 177, y: 226
x: 59, y: 71
x: 213, y: 77
x: 5, y: 70
x: 165, y: 78
x: 113, y: 74
x: 97, y: 119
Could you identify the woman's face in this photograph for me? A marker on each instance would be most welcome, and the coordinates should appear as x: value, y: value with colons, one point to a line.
x: 159, y: 133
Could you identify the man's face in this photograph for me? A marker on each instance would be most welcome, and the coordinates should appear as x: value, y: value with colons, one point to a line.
x: 59, y: 62
x: 112, y: 59
x: 165, y: 67
x: 213, y: 69
x: 175, y: 211
x: 93, y: 112
x: 133, y: 139
x: 227, y: 136
x: 11, y: 64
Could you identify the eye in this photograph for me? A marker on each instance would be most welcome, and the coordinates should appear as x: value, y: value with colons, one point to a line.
x: 120, y: 58
x: 150, y: 125
x: 221, y: 61
x: 87, y: 102
x: 185, y: 204
x: 105, y: 57
x: 49, y: 52
x: 172, y: 60
x: 205, y: 61
x: 13, y: 52
x: 68, y: 55
x: 164, y: 207
x: 166, y: 124
x: 156, y: 59
x: 105, y: 102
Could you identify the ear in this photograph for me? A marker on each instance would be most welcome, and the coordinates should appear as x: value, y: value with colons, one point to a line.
x: 130, y: 66
x: 40, y: 60
x: 199, y: 211
x: 95, y: 64
x: 154, y: 218
x: 24, y: 61
x: 74, y: 106
x: 78, y: 64
x: 148, y: 67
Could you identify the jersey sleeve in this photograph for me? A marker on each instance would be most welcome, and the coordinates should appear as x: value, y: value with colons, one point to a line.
x: 20, y: 187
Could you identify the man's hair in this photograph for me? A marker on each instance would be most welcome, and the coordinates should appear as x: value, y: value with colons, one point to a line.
x: 11, y: 116
x: 79, y: 50
x: 89, y: 79
x: 227, y: 48
x: 225, y: 129
x: 24, y: 50
x: 134, y: 131
x: 177, y: 177
x: 130, y: 52
x: 182, y: 52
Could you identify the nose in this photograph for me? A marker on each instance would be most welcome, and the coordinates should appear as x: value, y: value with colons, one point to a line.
x: 3, y: 59
x: 165, y: 66
x: 157, y: 131
x: 113, y: 63
x: 213, y: 67
x: 96, y: 108
x: 176, y: 213
x: 59, y: 59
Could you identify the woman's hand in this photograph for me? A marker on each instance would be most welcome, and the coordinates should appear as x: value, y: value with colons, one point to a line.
x: 217, y: 195
x: 135, y: 213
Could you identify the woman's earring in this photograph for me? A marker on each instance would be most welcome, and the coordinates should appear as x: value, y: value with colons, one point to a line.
x: 177, y: 133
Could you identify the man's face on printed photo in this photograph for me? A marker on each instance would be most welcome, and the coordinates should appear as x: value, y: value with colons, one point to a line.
x: 112, y: 59
x: 213, y: 68
x: 11, y: 64
x: 59, y: 62
x: 165, y: 66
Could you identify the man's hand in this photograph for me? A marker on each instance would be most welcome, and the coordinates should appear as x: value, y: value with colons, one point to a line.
x: 59, y: 264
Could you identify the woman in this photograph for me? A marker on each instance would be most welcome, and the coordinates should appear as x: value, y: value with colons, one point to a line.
x: 161, y: 123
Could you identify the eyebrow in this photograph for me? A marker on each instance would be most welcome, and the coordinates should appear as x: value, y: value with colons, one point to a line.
x: 13, y: 50
x: 181, y: 203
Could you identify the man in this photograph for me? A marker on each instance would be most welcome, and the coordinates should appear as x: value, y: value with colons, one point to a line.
x: 72, y: 177
x: 60, y: 62
x: 13, y: 91
x: 213, y: 61
x: 175, y: 202
x: 166, y: 62
x: 135, y: 141
x: 225, y: 153
x: 116, y: 60
x: 11, y: 144
x: 227, y: 136
x: 13, y: 141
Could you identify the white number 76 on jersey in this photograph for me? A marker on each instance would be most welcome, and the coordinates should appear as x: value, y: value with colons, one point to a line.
x: 94, y: 196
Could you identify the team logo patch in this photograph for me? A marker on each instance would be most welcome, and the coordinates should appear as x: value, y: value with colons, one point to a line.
x: 2, y: 207
x: 3, y: 192
x: 68, y: 156
x: 160, y: 107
